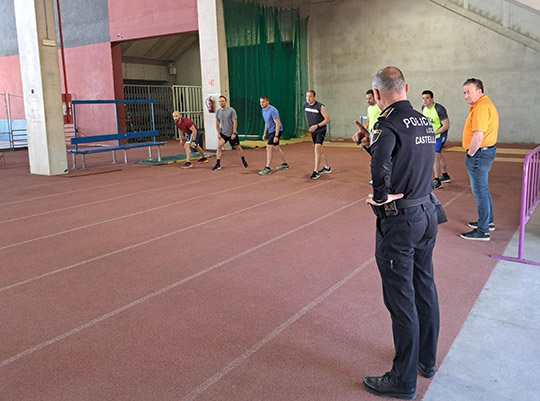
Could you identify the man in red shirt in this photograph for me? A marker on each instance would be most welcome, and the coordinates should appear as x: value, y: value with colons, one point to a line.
x: 194, y: 138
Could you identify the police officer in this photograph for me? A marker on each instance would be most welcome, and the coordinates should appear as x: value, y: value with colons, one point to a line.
x: 402, y: 145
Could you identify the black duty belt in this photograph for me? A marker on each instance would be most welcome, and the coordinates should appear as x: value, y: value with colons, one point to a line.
x: 403, y: 203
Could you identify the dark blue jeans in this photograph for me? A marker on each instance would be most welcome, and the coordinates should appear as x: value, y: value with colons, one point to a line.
x: 478, y: 168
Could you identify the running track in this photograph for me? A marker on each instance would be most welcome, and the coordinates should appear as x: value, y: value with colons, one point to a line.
x: 156, y: 283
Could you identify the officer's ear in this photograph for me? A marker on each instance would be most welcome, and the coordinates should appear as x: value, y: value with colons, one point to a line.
x: 377, y: 95
x: 406, y: 88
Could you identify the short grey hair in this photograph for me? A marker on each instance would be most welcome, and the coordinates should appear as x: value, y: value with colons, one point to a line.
x: 389, y: 80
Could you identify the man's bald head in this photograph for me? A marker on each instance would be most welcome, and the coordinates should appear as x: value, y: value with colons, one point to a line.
x: 389, y: 80
x: 389, y: 87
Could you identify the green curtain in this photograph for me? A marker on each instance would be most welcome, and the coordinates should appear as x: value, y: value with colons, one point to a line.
x: 267, y: 55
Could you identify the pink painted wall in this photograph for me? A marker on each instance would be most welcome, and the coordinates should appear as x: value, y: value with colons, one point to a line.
x: 10, y: 82
x: 136, y: 19
x: 90, y: 77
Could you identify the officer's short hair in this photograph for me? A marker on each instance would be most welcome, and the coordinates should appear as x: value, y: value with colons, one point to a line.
x: 389, y: 80
x: 370, y: 92
x: 428, y: 92
x: 223, y: 97
x: 477, y: 82
x: 265, y: 97
x: 312, y: 91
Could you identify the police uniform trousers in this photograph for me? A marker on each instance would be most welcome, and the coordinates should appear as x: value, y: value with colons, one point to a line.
x: 404, y: 250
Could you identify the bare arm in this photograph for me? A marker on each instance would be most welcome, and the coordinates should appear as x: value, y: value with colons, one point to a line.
x: 193, y: 133
x: 235, y: 126
x: 265, y: 131
x: 326, y: 120
x: 180, y: 135
x: 278, y: 126
x: 444, y: 127
x: 476, y: 142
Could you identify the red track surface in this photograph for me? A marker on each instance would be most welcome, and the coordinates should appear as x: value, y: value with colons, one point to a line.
x: 156, y: 283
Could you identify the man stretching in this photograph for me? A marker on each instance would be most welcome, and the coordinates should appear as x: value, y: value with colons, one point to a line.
x: 194, y: 138
x: 274, y: 129
x: 317, y: 118
x: 226, y: 125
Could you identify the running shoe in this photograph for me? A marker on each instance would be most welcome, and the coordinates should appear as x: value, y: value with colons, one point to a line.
x: 202, y: 160
x: 216, y: 167
x: 186, y: 165
x: 325, y: 170
x: 265, y: 171
x: 315, y: 175
x: 284, y: 166
x: 474, y: 224
x: 244, y: 164
x: 436, y: 184
x: 445, y: 178
x: 476, y: 235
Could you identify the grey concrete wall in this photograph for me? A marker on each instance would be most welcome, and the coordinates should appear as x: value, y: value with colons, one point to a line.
x: 188, y: 67
x: 83, y: 23
x: 435, y: 48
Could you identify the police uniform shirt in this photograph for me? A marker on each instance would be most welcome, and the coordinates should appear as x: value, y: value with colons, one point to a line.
x: 402, y: 148
x: 314, y: 116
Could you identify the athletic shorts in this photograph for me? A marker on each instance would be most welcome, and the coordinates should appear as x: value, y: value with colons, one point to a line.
x: 318, y: 137
x: 271, y: 136
x: 439, y: 143
x: 233, y: 142
x: 198, y: 140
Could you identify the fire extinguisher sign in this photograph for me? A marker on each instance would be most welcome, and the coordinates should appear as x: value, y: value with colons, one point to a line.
x: 210, y: 84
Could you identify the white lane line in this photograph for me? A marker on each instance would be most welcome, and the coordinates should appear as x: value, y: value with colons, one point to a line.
x: 84, y: 189
x: 274, y: 333
x: 111, y: 199
x: 278, y: 330
x: 97, y: 223
x: 154, y: 239
x: 154, y: 294
x: 454, y: 198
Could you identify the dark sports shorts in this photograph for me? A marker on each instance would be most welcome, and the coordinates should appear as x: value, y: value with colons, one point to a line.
x: 198, y: 140
x: 318, y: 137
x: 271, y: 136
x: 233, y: 142
x: 439, y: 143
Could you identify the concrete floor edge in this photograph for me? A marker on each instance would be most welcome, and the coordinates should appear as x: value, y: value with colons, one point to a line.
x: 496, y: 356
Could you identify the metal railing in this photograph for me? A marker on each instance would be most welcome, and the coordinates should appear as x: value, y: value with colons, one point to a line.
x: 13, y: 134
x: 138, y: 115
x: 185, y: 99
x: 188, y: 101
x: 530, y: 199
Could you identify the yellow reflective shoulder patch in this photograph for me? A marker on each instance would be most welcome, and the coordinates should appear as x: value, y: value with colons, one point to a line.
x: 374, y: 136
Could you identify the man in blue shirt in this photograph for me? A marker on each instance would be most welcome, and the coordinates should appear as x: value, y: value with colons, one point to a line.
x: 274, y: 129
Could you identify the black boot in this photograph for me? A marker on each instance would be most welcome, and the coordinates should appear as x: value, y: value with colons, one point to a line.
x: 384, y: 386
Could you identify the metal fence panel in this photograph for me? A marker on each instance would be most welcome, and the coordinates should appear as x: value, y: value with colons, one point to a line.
x: 188, y: 102
x: 186, y: 99
x: 13, y: 133
x: 139, y: 116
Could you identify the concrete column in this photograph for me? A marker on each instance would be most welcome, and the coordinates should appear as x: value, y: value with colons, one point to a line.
x: 38, y: 53
x: 214, y: 71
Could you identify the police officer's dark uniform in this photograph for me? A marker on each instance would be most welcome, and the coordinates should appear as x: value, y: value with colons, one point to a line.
x: 402, y: 148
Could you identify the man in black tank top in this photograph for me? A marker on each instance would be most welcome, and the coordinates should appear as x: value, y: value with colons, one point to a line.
x: 317, y: 118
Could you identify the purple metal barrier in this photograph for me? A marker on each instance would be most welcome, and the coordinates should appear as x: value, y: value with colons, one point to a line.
x: 530, y: 198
